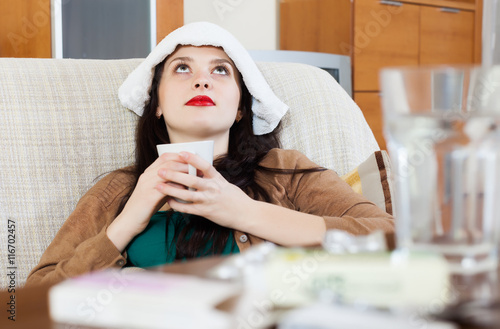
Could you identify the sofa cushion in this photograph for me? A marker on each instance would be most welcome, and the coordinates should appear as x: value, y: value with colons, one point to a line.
x: 324, y: 123
x: 372, y: 179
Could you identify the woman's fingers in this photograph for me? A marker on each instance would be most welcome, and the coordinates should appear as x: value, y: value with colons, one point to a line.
x: 174, y: 191
x: 178, y: 172
x: 171, y: 161
x: 210, y: 196
x: 176, y: 179
x: 199, y: 163
x: 145, y: 192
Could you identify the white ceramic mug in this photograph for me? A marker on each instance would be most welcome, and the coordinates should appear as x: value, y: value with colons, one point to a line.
x: 204, y: 149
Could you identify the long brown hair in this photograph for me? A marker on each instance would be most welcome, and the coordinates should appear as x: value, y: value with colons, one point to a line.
x: 238, y: 166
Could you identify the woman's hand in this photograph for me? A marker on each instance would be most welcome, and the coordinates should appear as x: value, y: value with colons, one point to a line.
x: 213, y: 196
x: 227, y: 205
x: 145, y: 200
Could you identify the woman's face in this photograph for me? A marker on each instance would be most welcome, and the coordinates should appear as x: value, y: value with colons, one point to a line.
x: 199, y: 94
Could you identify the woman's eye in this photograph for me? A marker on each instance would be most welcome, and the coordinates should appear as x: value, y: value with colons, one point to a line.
x: 182, y: 69
x: 221, y: 70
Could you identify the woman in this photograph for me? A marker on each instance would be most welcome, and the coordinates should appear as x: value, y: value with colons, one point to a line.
x: 200, y: 84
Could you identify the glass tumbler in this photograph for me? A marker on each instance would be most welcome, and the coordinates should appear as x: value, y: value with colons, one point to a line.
x: 441, y: 128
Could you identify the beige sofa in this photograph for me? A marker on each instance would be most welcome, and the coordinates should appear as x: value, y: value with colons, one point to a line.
x: 62, y: 127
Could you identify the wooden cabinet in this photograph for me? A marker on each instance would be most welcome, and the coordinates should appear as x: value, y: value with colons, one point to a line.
x: 388, y: 33
x: 169, y: 16
x: 369, y: 102
x: 383, y: 35
x: 316, y: 25
x: 446, y: 36
x: 25, y: 28
x: 411, y: 32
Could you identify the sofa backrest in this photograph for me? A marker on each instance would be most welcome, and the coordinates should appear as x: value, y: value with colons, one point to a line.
x: 62, y: 127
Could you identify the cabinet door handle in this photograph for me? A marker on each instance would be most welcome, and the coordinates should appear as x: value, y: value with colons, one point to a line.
x: 391, y: 3
x: 450, y: 10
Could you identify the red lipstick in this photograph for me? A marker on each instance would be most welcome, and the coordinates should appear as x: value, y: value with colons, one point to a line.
x: 200, y: 100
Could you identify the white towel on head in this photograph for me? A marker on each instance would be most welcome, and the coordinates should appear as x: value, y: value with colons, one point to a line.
x: 266, y: 107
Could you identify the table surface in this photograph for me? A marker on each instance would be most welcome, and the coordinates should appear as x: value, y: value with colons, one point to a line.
x: 32, y: 309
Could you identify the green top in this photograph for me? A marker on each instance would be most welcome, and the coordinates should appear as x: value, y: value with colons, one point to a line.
x: 156, y: 244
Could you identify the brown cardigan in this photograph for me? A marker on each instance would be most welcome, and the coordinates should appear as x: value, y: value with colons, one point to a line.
x: 81, y: 245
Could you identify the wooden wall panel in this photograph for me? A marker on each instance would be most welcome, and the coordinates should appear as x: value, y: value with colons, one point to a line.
x: 369, y: 102
x: 478, y: 30
x: 25, y: 28
x: 316, y: 25
x: 169, y: 16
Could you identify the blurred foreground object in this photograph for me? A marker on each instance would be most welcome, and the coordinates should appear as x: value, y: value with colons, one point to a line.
x: 141, y: 299
x: 491, y: 33
x: 441, y: 126
x: 324, y: 316
x: 293, y: 277
x: 341, y: 242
